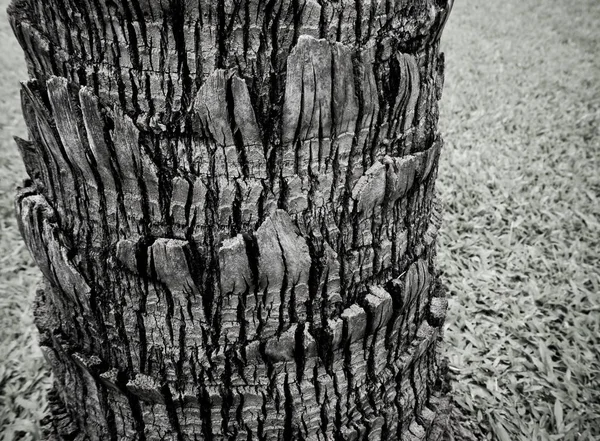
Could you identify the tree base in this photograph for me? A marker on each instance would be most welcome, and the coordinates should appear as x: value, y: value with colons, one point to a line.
x: 450, y: 423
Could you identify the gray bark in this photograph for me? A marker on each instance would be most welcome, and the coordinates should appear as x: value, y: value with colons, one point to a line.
x: 233, y: 207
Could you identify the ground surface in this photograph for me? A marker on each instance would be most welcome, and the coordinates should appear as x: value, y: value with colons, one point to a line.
x: 520, y: 244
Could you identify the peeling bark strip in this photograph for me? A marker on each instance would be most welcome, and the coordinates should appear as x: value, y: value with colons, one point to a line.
x: 232, y: 204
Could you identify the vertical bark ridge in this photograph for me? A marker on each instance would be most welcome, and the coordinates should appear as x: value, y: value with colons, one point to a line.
x: 233, y: 207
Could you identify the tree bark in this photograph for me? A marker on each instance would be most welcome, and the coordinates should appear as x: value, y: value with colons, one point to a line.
x: 232, y: 203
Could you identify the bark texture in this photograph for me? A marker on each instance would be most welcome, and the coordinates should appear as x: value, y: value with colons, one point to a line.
x: 232, y: 203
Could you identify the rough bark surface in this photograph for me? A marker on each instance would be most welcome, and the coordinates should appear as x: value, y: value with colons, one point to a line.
x: 232, y: 203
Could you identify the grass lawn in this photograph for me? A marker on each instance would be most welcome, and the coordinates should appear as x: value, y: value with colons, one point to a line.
x: 519, y: 247
x: 23, y: 377
x: 520, y: 243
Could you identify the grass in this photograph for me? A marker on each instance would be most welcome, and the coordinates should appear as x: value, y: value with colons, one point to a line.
x: 520, y: 243
x: 23, y: 377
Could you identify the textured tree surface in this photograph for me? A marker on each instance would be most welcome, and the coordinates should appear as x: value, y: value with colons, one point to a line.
x: 232, y: 203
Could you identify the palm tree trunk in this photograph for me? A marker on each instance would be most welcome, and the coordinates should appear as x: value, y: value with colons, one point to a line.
x: 232, y: 203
